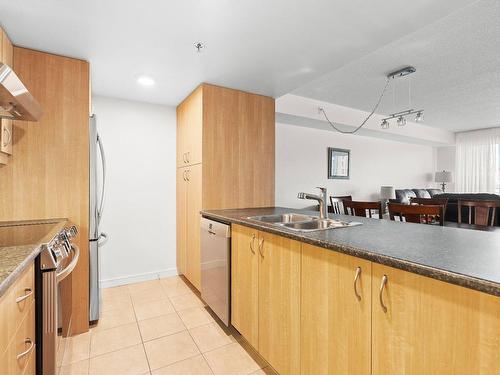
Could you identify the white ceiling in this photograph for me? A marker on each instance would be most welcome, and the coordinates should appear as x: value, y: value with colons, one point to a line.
x: 263, y: 46
x: 458, y: 72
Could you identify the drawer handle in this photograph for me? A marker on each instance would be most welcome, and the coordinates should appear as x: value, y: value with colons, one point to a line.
x: 27, y: 292
x: 381, y: 296
x: 27, y: 351
x: 356, y: 278
x: 252, y: 243
x: 261, y: 246
x: 184, y: 158
x: 9, y: 139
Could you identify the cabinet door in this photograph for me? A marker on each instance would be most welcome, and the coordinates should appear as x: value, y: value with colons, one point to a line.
x: 193, y: 262
x: 181, y: 220
x: 6, y: 136
x: 279, y: 302
x: 432, y: 327
x: 189, y: 129
x: 335, y: 313
x: 245, y: 283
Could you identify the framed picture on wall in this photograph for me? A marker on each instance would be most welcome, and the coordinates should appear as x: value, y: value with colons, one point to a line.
x: 338, y: 163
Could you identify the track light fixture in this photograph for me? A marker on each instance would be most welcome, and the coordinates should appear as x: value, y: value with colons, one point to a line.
x: 401, y: 117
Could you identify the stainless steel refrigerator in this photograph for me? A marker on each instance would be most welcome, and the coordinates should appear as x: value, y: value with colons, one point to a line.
x: 97, y: 194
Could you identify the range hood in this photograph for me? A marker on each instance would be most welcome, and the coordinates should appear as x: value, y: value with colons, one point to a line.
x: 16, y: 102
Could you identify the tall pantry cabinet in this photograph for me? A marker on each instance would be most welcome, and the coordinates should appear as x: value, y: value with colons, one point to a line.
x: 225, y: 159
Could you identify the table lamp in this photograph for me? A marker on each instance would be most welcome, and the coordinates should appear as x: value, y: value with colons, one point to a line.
x: 443, y: 177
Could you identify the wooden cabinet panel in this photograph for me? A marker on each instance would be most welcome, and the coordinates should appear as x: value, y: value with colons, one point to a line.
x: 15, y: 305
x: 238, y: 149
x: 189, y: 129
x: 432, y: 327
x: 245, y: 282
x: 6, y: 57
x: 23, y: 341
x: 7, y: 51
x: 279, y: 302
x: 335, y: 324
x: 181, y: 220
x: 193, y: 261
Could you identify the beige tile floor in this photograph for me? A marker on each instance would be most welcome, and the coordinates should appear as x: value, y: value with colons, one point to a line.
x: 158, y: 327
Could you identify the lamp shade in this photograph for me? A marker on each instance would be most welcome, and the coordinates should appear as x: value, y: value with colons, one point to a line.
x: 387, y: 192
x: 444, y: 176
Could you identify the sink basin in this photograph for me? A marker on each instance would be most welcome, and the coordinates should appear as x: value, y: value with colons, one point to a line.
x: 302, y: 223
x: 319, y: 224
x: 283, y: 218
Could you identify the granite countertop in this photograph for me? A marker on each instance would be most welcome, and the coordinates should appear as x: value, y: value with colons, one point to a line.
x: 464, y: 257
x: 20, y: 244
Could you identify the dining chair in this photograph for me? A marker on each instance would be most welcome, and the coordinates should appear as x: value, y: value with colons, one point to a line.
x: 363, y: 209
x: 431, y: 202
x: 417, y: 213
x: 337, y: 203
x: 479, y: 212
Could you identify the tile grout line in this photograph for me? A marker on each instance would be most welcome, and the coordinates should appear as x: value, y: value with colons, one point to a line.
x: 140, y: 335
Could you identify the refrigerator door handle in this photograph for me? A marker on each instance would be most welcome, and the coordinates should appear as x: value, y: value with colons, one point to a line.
x: 102, y: 235
x: 103, y: 191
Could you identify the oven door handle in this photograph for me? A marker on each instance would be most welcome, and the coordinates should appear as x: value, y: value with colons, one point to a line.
x: 71, y: 266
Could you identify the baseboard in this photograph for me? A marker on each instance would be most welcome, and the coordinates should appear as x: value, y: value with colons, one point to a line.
x: 130, y: 279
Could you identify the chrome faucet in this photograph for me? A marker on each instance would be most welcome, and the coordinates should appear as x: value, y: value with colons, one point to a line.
x: 321, y: 198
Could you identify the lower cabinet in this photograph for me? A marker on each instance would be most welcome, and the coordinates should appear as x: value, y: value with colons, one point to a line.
x: 266, y: 295
x: 279, y: 302
x: 432, y: 327
x: 335, y: 313
x: 17, y: 326
x: 310, y: 310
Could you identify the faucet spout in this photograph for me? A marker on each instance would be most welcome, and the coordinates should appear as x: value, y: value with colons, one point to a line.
x: 321, y: 198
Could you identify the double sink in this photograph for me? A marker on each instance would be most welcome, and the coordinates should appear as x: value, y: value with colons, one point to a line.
x: 302, y: 223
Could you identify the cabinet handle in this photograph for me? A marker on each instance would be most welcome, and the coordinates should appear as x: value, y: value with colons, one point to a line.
x: 261, y: 246
x: 27, y: 351
x: 184, y: 157
x: 9, y: 136
x: 27, y: 292
x: 356, y: 278
x: 184, y: 175
x: 381, y: 296
x: 187, y: 175
x: 187, y: 156
x: 252, y: 243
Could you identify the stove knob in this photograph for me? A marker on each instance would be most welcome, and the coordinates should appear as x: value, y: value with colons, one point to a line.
x: 71, y: 232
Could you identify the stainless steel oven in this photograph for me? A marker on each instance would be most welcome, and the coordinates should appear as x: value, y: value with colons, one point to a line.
x: 55, y: 263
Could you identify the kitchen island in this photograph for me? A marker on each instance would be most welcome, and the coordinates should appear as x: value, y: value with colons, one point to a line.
x: 381, y: 298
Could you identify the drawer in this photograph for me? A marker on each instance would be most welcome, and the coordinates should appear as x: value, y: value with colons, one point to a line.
x: 23, y: 342
x: 14, y: 305
x: 6, y: 137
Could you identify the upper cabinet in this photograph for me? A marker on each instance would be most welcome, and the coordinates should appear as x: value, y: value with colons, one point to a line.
x: 6, y: 57
x: 189, y: 129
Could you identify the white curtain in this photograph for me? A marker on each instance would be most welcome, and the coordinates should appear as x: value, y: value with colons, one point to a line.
x: 477, y: 161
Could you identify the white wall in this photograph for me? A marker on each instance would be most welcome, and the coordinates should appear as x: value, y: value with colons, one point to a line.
x: 139, y: 214
x: 301, y: 164
x: 445, y: 160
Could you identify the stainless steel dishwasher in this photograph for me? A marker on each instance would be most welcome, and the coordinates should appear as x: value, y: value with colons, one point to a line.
x: 216, y: 267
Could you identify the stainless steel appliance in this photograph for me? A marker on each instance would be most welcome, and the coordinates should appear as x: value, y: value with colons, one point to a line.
x: 56, y: 261
x: 96, y: 237
x: 216, y: 267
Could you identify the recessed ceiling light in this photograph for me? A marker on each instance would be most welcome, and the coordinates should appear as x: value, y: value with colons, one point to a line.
x: 145, y: 81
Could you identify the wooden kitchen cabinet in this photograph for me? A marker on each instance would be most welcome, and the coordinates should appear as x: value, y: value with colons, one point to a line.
x: 265, y: 287
x: 432, y: 327
x: 245, y: 282
x: 335, y: 313
x: 279, y: 302
x: 6, y: 57
x: 189, y: 129
x: 193, y: 254
x: 181, y: 220
x: 225, y: 138
x: 188, y: 223
x: 17, y: 326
